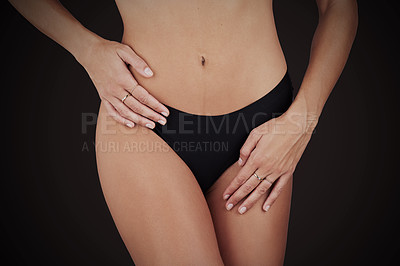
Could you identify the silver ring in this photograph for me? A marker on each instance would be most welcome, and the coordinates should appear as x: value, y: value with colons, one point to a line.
x: 261, y: 179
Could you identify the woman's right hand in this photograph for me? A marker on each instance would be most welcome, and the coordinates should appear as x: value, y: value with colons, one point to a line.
x: 107, y: 62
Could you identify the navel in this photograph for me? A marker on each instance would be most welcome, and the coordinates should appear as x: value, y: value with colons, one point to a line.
x: 203, y: 60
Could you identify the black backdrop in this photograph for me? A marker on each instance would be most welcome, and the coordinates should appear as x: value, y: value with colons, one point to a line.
x: 345, y: 199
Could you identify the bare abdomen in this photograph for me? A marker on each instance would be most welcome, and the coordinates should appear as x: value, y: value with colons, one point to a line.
x: 210, y: 58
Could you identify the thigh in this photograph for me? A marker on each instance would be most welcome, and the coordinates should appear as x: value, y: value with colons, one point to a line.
x: 255, y: 237
x: 154, y: 199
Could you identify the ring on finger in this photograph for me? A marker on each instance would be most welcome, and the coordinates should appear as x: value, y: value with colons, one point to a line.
x: 123, y: 99
x: 261, y: 179
x: 270, y: 182
x: 134, y: 87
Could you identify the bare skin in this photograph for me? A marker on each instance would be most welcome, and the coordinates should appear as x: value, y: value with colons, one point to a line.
x: 158, y: 208
x: 206, y: 57
x: 173, y: 36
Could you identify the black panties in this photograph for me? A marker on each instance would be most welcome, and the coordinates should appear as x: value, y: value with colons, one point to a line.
x: 210, y: 144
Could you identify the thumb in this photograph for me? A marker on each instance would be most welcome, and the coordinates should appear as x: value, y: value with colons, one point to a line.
x: 131, y: 58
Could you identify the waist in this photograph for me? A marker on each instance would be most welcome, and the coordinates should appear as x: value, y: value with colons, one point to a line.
x: 214, y: 74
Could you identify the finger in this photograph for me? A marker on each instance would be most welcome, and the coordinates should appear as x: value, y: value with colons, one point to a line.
x: 261, y: 189
x: 249, y: 146
x: 143, y: 96
x: 127, y: 113
x: 276, y: 191
x: 129, y: 56
x: 241, y: 177
x: 115, y: 115
x: 143, y: 110
x: 242, y: 192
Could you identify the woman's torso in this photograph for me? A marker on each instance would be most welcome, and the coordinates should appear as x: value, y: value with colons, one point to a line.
x: 237, y: 38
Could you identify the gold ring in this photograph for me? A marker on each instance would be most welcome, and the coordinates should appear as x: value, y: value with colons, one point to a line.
x: 123, y: 99
x: 261, y: 179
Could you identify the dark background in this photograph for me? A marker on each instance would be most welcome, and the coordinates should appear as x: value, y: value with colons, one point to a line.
x: 345, y: 199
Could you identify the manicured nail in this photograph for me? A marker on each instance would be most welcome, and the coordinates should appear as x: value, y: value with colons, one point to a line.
x: 266, y: 208
x: 226, y: 196
x: 148, y: 72
x: 230, y: 205
x: 129, y: 125
x: 150, y: 126
x: 242, y: 210
x: 162, y: 122
x: 164, y: 113
x: 240, y: 161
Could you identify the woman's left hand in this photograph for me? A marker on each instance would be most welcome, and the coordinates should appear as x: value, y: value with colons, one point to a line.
x: 271, y: 151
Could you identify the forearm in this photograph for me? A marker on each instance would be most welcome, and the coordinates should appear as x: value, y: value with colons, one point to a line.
x: 330, y: 48
x: 52, y: 19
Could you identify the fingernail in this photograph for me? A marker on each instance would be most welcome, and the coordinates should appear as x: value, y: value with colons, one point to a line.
x: 240, y: 161
x: 129, y: 125
x: 230, y: 205
x: 242, y: 210
x: 266, y: 208
x: 226, y: 196
x: 162, y: 122
x: 150, y: 126
x: 164, y: 113
x: 148, y: 71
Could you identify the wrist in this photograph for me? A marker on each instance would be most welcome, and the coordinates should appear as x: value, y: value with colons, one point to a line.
x: 302, y: 114
x: 84, y: 45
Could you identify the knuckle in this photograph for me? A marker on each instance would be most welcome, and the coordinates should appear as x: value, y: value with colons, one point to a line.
x: 141, y: 122
x: 136, y: 61
x: 117, y: 108
x: 263, y: 189
x: 279, y: 190
x: 254, y: 132
x: 126, y: 48
x: 120, y: 48
x: 125, y: 113
x: 247, y: 187
x: 136, y: 108
x: 241, y: 179
x: 244, y: 152
x: 143, y: 98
